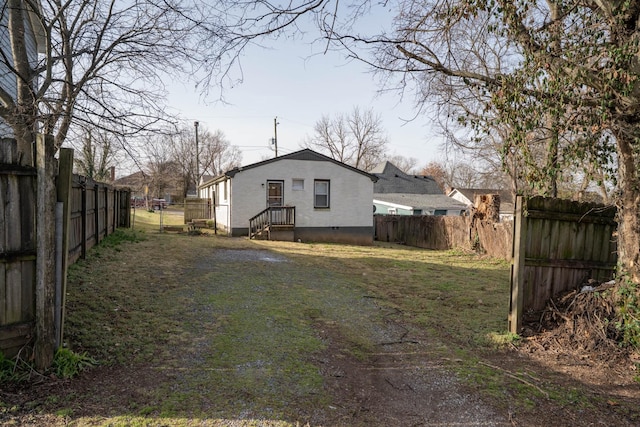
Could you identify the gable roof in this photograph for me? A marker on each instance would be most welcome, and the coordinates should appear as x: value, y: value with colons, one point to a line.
x: 136, y: 179
x: 506, y: 198
x: 471, y: 193
x: 305, y: 154
x: 393, y: 180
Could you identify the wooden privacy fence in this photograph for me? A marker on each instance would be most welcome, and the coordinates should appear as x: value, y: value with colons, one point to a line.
x: 17, y: 249
x: 446, y: 232
x: 557, y: 245
x: 422, y: 231
x: 196, y: 208
x: 95, y: 210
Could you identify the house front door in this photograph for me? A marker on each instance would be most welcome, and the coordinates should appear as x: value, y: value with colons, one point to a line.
x: 275, y: 193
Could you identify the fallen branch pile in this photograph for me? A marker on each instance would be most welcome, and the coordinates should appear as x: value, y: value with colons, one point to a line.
x: 580, y: 321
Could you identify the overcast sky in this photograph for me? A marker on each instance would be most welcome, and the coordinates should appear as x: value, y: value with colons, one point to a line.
x: 295, y: 82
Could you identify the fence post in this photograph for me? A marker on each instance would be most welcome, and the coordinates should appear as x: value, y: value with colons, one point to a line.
x: 517, y: 266
x: 83, y: 253
x: 96, y: 213
x: 124, y: 210
x: 106, y: 211
x: 114, y: 212
x: 65, y: 179
x: 45, y: 261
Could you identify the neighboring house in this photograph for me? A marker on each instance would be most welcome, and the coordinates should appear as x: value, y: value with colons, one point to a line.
x: 416, y: 204
x: 392, y: 180
x: 35, y: 43
x: 399, y: 193
x: 330, y: 201
x: 468, y: 197
x: 144, y: 187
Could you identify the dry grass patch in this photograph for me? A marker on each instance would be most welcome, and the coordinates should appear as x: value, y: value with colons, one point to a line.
x: 212, y: 330
x: 460, y: 297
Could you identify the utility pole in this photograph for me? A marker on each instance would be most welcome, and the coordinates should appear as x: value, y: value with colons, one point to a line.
x: 275, y: 134
x: 197, y: 159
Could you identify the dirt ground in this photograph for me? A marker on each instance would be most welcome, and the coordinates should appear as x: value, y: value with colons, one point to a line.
x: 402, y: 385
x: 405, y: 382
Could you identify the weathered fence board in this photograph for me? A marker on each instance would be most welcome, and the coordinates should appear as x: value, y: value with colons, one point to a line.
x: 196, y: 208
x: 17, y: 246
x: 495, y: 238
x: 558, y: 244
x: 446, y: 232
x: 124, y: 209
x: 423, y: 231
x: 96, y: 210
x: 14, y: 337
x: 555, y: 245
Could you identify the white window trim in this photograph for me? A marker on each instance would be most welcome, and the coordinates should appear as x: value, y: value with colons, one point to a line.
x: 297, y: 184
x: 315, y: 193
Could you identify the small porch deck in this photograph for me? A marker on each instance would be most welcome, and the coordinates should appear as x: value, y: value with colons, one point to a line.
x: 274, y: 223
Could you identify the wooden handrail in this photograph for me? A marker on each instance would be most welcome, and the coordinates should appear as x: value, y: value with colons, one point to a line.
x: 272, y: 216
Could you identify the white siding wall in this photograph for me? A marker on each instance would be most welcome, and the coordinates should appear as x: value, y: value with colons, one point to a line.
x: 223, y: 212
x: 32, y: 46
x: 7, y: 78
x: 351, y: 194
x: 460, y: 198
x: 221, y: 203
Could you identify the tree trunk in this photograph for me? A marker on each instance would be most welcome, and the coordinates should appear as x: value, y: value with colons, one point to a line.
x: 22, y: 120
x: 628, y: 211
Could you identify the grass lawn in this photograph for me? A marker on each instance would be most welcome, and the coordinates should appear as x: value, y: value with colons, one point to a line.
x: 204, y: 329
x: 244, y: 320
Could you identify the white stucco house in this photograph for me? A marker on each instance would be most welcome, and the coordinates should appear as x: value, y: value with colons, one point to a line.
x: 302, y: 196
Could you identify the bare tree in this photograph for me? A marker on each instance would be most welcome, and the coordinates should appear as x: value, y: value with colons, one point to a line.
x: 356, y: 139
x: 182, y: 153
x: 576, y: 104
x: 97, y: 155
x: 101, y: 65
x: 437, y: 171
x: 162, y: 173
x: 461, y: 174
x: 218, y: 155
x: 464, y: 175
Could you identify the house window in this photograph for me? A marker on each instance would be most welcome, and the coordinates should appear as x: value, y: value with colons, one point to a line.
x: 440, y: 212
x: 297, y: 184
x: 321, y: 193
